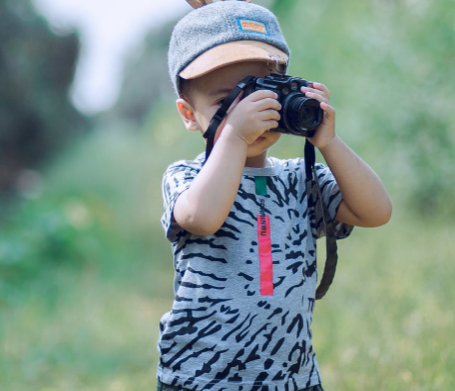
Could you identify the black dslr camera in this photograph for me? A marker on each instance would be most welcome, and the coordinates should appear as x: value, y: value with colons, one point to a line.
x: 300, y: 115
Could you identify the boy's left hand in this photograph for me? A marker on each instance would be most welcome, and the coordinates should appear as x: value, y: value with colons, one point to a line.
x: 325, y: 133
x: 365, y: 201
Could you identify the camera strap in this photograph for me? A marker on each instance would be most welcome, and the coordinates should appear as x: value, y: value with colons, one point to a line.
x: 221, y: 114
x: 330, y: 237
x: 311, y: 179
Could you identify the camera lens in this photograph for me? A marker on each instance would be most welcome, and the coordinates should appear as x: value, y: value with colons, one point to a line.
x: 307, y: 114
x: 301, y: 114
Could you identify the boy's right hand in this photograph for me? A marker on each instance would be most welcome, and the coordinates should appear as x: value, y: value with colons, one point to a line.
x: 204, y: 207
x: 250, y: 117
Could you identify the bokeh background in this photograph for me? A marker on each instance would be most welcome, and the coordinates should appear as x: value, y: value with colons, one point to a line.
x: 85, y: 270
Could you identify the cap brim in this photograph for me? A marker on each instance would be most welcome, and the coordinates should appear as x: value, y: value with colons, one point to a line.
x: 231, y: 53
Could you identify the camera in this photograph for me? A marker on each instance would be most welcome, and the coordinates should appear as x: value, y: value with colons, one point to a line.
x: 300, y: 115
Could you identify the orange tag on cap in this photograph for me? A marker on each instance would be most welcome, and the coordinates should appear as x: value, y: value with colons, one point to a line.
x: 253, y: 26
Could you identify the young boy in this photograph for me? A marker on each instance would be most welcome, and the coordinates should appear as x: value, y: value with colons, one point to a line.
x: 242, y: 233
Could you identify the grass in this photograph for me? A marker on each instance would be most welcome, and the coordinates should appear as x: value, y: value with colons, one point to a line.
x: 388, y: 322
x: 89, y: 334
x: 86, y: 272
x: 83, y: 314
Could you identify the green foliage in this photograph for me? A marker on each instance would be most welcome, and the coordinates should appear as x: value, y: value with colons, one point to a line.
x: 82, y: 311
x: 387, y: 321
x: 84, y: 268
x: 85, y: 271
x: 45, y: 234
x: 37, y: 68
x: 389, y: 66
x: 146, y: 81
x: 100, y: 203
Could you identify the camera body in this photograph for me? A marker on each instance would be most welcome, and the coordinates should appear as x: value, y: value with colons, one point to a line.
x: 300, y: 115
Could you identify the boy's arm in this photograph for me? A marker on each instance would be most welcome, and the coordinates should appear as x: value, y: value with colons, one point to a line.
x: 365, y: 200
x: 203, y: 208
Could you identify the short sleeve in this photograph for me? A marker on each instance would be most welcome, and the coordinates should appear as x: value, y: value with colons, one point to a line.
x: 176, y: 179
x: 331, y: 196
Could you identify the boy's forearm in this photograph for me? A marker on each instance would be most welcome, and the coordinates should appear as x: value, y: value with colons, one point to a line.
x: 204, y: 207
x: 365, y: 200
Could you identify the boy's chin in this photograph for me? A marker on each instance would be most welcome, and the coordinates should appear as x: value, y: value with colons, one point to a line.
x: 262, y: 143
x: 257, y: 153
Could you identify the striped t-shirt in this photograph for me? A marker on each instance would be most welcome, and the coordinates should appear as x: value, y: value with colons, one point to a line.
x: 244, y: 296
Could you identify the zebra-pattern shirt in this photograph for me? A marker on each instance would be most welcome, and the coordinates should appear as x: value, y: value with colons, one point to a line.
x: 227, y: 329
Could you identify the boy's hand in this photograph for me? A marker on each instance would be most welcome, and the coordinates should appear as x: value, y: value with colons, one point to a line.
x: 250, y: 117
x: 365, y: 201
x: 325, y: 133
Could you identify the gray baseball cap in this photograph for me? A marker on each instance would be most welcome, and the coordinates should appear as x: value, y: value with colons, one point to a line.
x: 224, y: 33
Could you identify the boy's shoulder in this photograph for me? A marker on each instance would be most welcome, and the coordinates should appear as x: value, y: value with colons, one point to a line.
x: 184, y: 164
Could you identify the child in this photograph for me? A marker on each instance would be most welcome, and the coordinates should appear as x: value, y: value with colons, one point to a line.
x: 242, y: 233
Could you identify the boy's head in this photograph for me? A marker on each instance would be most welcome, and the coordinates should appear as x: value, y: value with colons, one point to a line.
x: 212, y: 49
x: 221, y: 34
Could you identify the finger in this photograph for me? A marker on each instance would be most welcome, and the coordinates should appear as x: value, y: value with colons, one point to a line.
x: 308, y: 91
x: 321, y: 97
x: 268, y: 103
x: 317, y: 88
x: 269, y: 115
x: 328, y: 110
x: 271, y: 124
x: 322, y: 87
x: 262, y: 94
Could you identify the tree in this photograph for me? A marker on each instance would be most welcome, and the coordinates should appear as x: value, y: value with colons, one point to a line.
x: 36, y: 70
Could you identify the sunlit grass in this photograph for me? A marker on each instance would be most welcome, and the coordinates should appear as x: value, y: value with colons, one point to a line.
x: 91, y: 334
x: 387, y: 323
x: 85, y: 316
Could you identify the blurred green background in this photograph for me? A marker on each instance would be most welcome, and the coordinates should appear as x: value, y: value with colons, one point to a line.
x: 85, y: 270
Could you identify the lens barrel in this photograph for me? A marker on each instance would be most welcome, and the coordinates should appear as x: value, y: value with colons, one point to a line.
x: 301, y: 114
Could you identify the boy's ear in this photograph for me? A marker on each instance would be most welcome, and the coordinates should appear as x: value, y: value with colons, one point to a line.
x: 187, y: 113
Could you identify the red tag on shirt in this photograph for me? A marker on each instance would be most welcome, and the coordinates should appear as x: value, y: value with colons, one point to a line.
x: 265, y: 255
